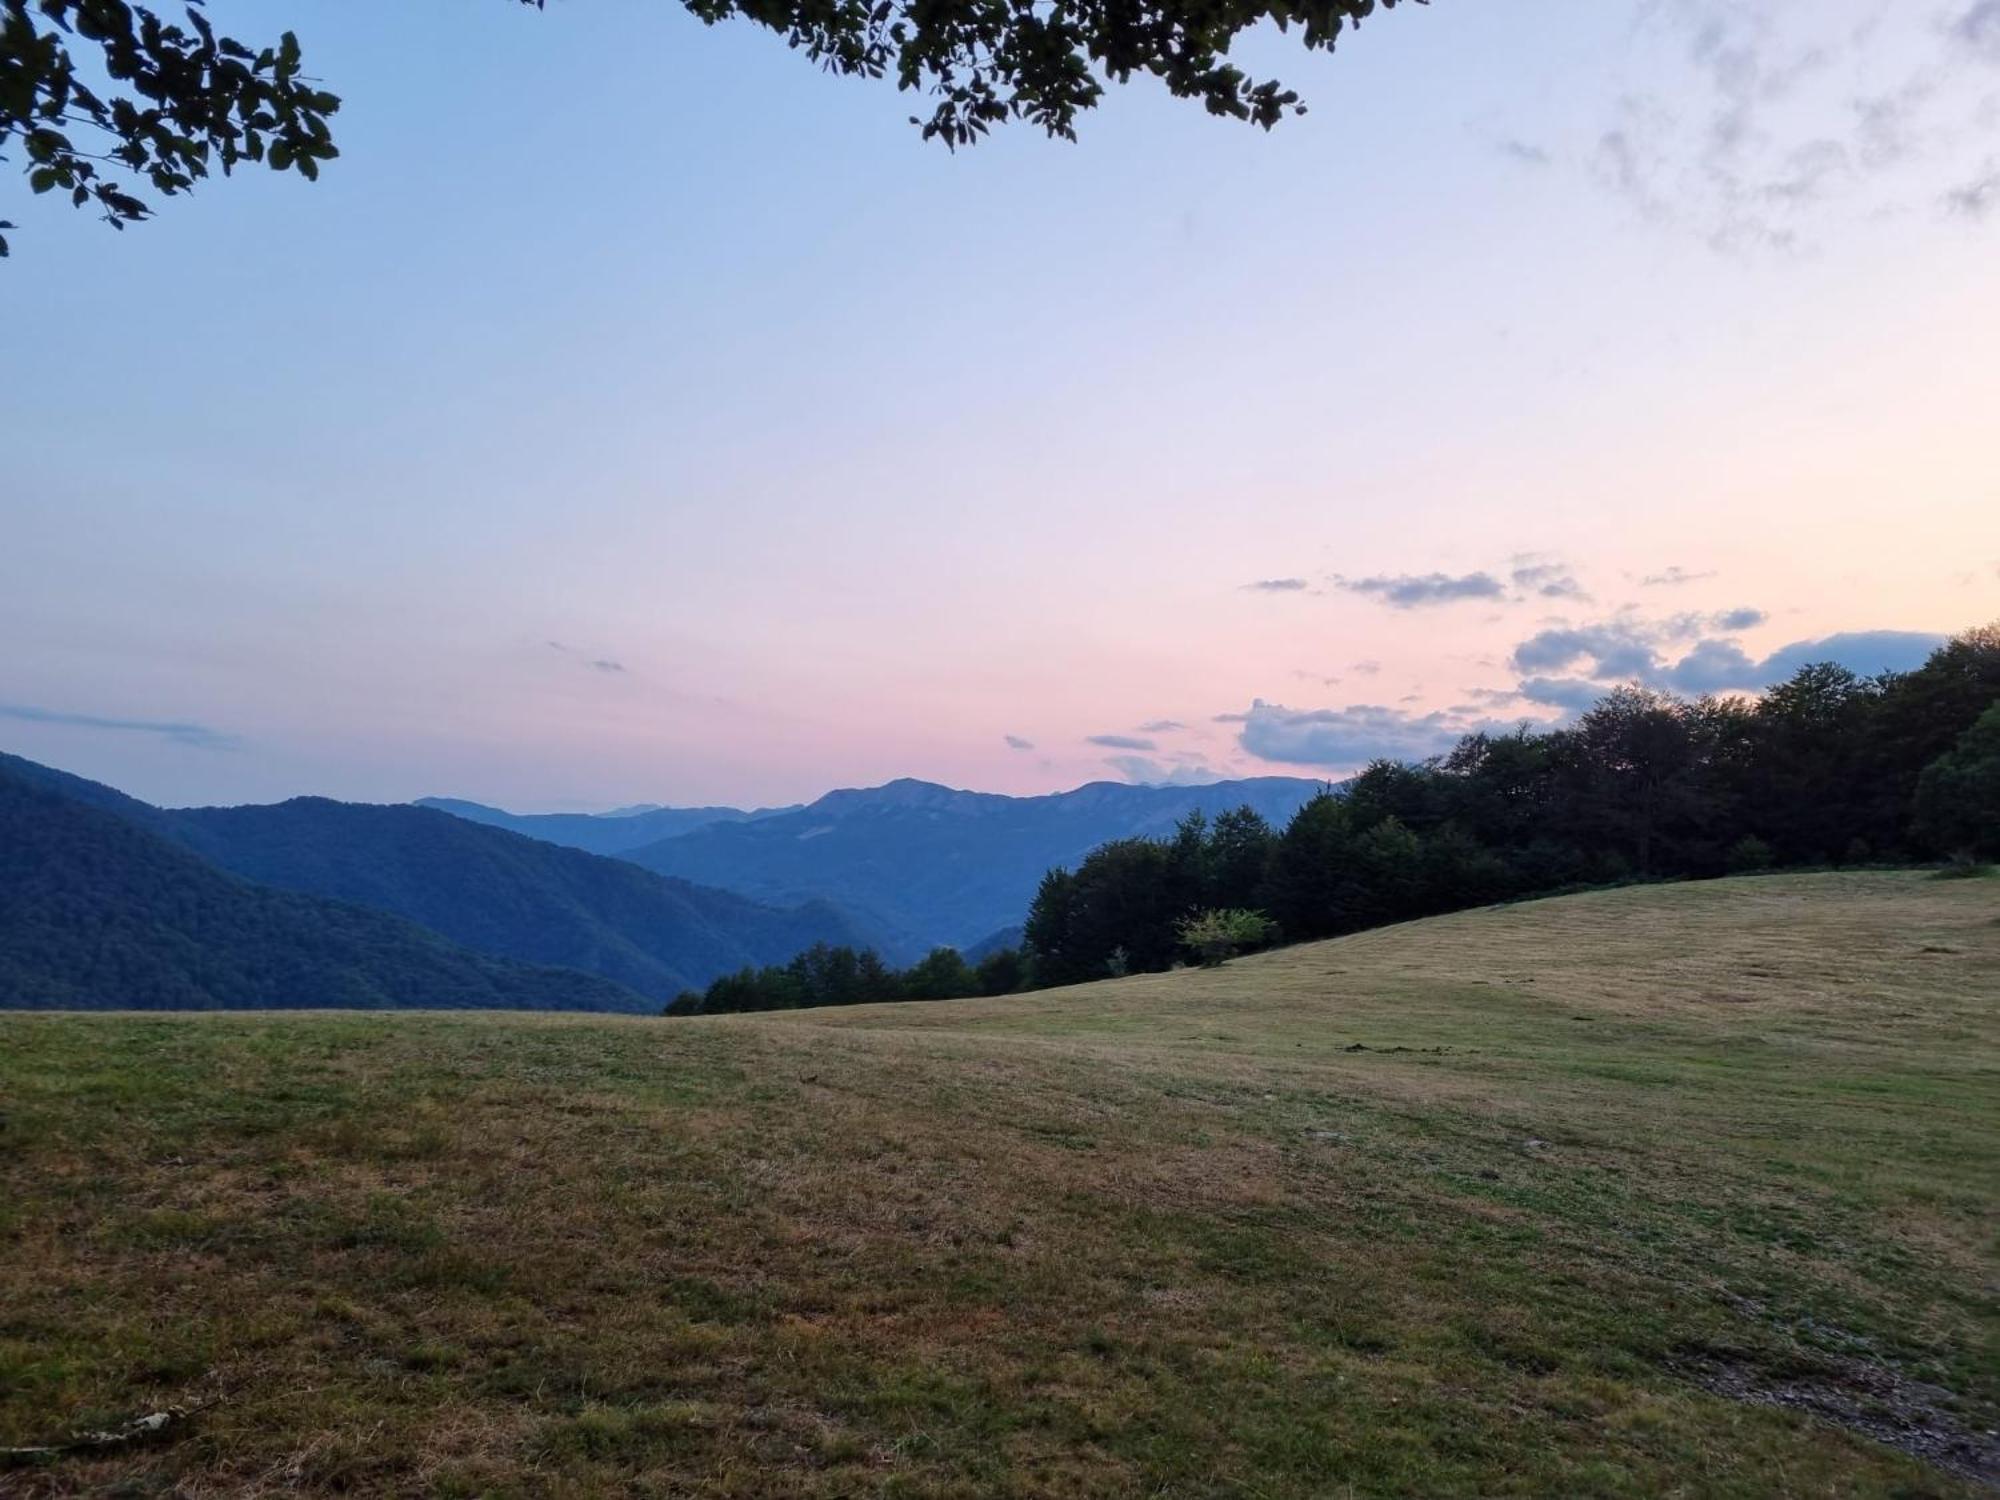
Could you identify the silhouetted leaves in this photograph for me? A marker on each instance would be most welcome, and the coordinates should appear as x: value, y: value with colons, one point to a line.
x: 186, y: 100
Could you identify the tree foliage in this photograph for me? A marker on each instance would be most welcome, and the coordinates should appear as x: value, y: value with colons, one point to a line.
x: 1827, y: 768
x: 166, y: 103
x: 181, y: 100
x: 1219, y: 934
x: 826, y: 974
x: 1958, y: 794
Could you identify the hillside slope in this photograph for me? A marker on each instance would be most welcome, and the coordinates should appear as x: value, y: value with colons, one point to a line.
x: 507, y: 894
x: 1678, y: 1190
x: 926, y: 864
x: 497, y: 892
x: 98, y: 912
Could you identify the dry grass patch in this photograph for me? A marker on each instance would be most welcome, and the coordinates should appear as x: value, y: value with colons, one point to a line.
x: 1165, y: 1236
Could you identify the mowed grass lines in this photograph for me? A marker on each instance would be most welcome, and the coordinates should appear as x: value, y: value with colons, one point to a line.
x: 1684, y: 1190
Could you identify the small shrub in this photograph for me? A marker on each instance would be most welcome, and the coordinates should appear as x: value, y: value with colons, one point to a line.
x: 1963, y: 867
x: 1749, y: 854
x: 1214, y: 937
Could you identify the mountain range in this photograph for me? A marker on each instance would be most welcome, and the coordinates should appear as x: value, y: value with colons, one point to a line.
x: 486, y: 890
x: 917, y: 865
x: 106, y: 900
x: 598, y: 833
x: 100, y: 912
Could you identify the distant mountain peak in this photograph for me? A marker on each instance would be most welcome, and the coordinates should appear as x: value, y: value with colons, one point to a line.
x: 925, y: 864
x: 905, y: 793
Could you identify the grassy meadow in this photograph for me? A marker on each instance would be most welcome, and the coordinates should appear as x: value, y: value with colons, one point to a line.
x: 1687, y: 1190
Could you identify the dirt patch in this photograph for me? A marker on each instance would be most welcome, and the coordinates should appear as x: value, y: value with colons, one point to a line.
x: 1859, y: 1395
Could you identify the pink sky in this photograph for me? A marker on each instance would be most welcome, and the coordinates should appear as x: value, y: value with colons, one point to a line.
x: 855, y: 459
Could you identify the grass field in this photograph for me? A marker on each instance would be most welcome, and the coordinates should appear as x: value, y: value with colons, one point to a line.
x: 1675, y: 1191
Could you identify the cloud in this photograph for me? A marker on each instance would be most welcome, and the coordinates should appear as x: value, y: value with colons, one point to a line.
x: 1617, y: 162
x: 1672, y: 577
x: 1414, y: 591
x: 1808, y: 173
x: 1979, y: 30
x: 1161, y: 726
x: 1145, y: 772
x: 592, y: 663
x: 1615, y: 648
x: 1694, y: 623
x: 1525, y: 152
x: 1276, y: 585
x: 1739, y: 619
x: 1711, y: 667
x: 1228, y: 718
x: 1978, y: 197
x: 1015, y: 742
x: 195, y: 736
x: 1120, y: 742
x: 1716, y: 666
x: 1866, y: 652
x: 1545, y: 578
x: 1768, y: 126
x: 1344, y: 738
x: 1628, y: 649
x: 1571, y: 694
x: 1527, y: 575
x: 1366, y: 668
x: 1570, y: 670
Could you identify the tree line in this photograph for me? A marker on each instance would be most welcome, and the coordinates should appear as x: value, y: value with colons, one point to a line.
x: 826, y: 974
x: 1826, y: 769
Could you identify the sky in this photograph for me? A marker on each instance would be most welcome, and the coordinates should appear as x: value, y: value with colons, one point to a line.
x: 634, y: 413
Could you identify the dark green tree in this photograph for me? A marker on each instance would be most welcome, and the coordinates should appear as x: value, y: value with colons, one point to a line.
x: 1920, y: 716
x: 940, y: 974
x: 1050, y: 933
x: 1308, y: 867
x: 1633, y: 763
x: 875, y: 980
x: 1958, y: 795
x: 1002, y: 972
x: 1802, y: 779
x: 1239, y: 858
x: 828, y: 975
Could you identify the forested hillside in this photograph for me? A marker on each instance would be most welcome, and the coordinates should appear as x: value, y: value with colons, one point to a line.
x: 1827, y: 768
x: 505, y: 894
x: 496, y: 892
x: 96, y: 912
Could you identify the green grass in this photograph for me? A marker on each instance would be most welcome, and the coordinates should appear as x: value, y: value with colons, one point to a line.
x: 1683, y: 1189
